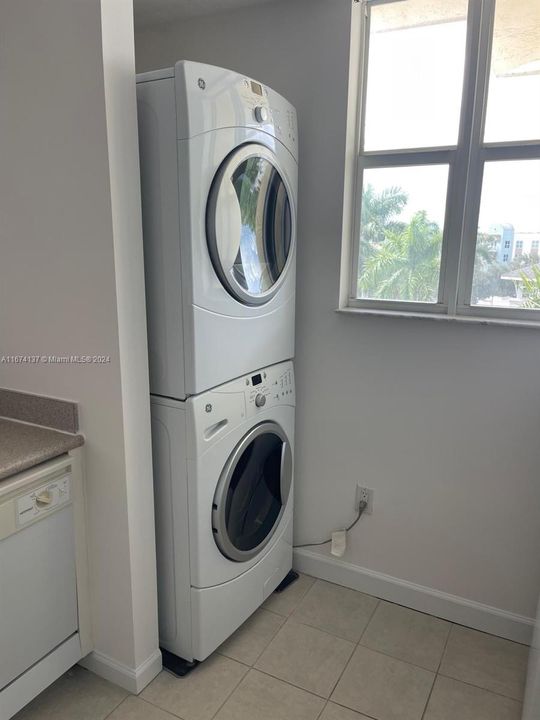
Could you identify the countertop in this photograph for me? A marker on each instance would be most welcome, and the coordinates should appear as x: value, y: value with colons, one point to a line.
x: 23, y: 445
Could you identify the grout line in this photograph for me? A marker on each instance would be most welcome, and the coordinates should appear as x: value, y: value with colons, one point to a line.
x: 90, y: 672
x: 429, y: 697
x: 334, y: 686
x: 437, y: 671
x: 322, y: 710
x: 272, y: 612
x: 480, y: 687
x: 287, y: 682
x: 436, y: 674
x: 377, y: 604
x: 397, y: 659
x: 158, y: 707
x: 441, y: 674
x: 258, y: 656
x: 222, y: 654
x: 122, y: 701
x: 290, y: 684
x: 428, y: 700
x: 270, y: 641
x: 167, y: 712
x: 293, y: 621
x: 350, y: 709
x: 354, y: 650
x: 444, y: 648
x: 180, y: 679
x: 305, y: 593
x: 233, y: 690
x: 485, y: 632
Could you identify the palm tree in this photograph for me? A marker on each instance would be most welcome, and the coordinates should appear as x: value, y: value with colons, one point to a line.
x: 405, y: 264
x: 379, y: 213
x: 531, y: 288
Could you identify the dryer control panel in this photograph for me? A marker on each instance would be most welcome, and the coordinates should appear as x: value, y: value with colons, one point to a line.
x: 209, y: 98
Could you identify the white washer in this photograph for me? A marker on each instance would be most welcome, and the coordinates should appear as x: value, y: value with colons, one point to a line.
x: 219, y: 186
x: 223, y: 475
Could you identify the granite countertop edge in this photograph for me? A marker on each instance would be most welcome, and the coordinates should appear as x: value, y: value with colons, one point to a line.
x: 22, y: 445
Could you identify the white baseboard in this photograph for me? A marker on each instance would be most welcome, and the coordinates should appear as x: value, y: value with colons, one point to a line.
x: 418, y: 597
x: 133, y: 680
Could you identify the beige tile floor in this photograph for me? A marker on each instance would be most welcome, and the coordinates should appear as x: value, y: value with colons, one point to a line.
x: 319, y: 652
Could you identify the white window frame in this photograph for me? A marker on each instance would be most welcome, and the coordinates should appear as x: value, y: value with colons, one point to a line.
x: 466, y: 162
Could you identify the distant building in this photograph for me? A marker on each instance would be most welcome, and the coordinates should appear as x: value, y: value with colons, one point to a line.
x: 505, y: 242
x: 527, y: 243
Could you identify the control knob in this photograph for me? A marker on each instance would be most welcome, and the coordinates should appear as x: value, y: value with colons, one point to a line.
x: 261, y: 114
x: 260, y: 400
x: 44, y: 498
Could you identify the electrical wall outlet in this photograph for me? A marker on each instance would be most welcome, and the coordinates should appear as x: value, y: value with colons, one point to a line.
x: 364, y: 495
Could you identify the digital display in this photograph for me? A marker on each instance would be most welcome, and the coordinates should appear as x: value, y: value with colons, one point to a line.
x: 257, y: 89
x: 256, y: 379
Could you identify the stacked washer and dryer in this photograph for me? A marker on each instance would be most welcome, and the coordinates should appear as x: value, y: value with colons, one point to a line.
x: 219, y: 158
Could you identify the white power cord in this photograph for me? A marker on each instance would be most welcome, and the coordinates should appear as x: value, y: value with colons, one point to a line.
x: 361, y: 507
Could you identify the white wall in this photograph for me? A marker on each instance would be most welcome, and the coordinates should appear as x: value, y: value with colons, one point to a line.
x: 441, y: 419
x: 71, y: 280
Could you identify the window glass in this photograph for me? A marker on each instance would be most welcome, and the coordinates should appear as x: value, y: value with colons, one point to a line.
x: 401, y: 230
x: 415, y: 74
x: 513, y: 109
x: 411, y: 123
x: 509, y: 213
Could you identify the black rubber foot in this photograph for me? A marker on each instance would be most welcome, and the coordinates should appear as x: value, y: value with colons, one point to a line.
x: 177, y: 665
x: 289, y: 578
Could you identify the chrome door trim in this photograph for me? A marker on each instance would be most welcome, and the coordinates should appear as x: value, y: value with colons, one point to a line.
x: 229, y: 164
x: 219, y: 527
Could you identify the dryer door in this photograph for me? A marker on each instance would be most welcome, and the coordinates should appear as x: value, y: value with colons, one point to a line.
x: 249, y: 224
x: 252, y: 492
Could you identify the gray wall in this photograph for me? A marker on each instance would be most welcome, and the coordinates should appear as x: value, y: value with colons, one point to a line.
x: 441, y: 419
x: 70, y: 211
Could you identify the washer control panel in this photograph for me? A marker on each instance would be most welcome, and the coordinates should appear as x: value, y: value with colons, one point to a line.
x: 272, y: 386
x: 216, y: 412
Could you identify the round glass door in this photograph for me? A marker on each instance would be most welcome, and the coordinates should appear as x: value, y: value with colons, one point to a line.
x: 252, y: 492
x: 249, y: 225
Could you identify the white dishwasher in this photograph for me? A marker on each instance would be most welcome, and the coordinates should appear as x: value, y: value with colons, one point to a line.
x: 38, y: 581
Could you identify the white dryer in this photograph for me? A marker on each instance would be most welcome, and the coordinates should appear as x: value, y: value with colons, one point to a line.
x: 219, y: 186
x: 223, y: 475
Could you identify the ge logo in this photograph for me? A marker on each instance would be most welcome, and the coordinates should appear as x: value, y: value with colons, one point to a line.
x: 201, y: 83
x: 208, y: 408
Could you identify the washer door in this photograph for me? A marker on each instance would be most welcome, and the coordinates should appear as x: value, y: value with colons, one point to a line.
x: 252, y: 492
x: 249, y: 225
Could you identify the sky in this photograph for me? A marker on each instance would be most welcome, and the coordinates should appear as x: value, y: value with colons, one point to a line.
x: 413, y: 100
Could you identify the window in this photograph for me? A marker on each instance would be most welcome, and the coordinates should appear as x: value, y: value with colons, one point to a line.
x: 447, y: 159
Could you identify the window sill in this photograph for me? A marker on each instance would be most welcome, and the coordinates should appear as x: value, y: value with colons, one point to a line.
x: 440, y: 317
